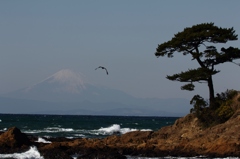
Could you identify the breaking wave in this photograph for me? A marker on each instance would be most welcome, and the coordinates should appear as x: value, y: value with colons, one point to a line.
x: 43, y: 140
x: 32, y: 153
x: 115, y: 129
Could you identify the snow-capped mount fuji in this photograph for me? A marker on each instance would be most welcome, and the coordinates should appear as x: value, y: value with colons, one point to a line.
x: 69, y: 86
x: 64, y: 81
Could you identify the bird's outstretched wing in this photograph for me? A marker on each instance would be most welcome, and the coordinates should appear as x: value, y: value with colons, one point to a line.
x: 106, y: 71
x: 102, y: 68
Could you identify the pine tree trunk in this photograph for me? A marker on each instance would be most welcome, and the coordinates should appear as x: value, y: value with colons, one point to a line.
x: 211, y: 92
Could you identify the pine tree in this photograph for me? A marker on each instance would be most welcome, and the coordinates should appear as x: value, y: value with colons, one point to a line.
x: 199, y: 41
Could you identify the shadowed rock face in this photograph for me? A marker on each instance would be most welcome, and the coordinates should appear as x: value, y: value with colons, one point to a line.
x: 184, y: 138
x: 13, y: 140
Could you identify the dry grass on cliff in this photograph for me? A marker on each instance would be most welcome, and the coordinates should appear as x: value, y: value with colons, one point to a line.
x: 236, y: 102
x: 236, y: 105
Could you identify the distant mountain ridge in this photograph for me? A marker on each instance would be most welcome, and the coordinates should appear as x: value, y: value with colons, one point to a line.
x: 66, y: 92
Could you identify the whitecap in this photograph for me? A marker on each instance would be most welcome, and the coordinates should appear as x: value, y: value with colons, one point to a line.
x: 79, y: 135
x: 32, y: 131
x: 49, y: 130
x: 115, y: 128
x: 32, y: 153
x: 75, y: 156
x: 126, y: 130
x: 57, y: 129
x: 4, y: 129
x: 70, y: 137
x: 146, y: 130
x: 43, y: 140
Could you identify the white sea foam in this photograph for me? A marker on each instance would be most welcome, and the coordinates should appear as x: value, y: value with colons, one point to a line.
x: 79, y: 135
x: 126, y: 130
x: 4, y: 129
x: 32, y: 153
x: 43, y: 140
x: 115, y: 128
x: 50, y: 130
x: 57, y: 129
x: 75, y: 156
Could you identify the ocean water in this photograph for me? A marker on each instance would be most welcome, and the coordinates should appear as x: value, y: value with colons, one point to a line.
x: 75, y: 126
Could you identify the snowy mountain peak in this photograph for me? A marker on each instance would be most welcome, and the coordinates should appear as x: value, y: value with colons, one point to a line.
x: 64, y: 80
x: 67, y: 76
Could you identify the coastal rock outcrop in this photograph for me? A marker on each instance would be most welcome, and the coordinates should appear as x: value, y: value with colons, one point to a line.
x: 185, y: 137
x: 13, y: 140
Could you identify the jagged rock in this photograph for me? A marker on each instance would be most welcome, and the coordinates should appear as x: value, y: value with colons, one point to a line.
x: 13, y: 140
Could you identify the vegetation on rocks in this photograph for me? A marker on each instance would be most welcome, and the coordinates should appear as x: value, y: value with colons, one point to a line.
x: 225, y: 105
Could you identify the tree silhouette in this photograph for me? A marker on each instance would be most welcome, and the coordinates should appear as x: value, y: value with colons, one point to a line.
x: 200, y: 41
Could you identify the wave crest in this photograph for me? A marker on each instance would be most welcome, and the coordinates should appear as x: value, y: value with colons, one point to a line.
x: 32, y: 153
x: 116, y: 129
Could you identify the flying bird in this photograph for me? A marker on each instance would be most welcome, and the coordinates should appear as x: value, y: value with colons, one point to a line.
x: 102, y: 68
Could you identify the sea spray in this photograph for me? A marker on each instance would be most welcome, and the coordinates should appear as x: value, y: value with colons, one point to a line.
x: 32, y: 153
x: 43, y: 140
x: 116, y: 129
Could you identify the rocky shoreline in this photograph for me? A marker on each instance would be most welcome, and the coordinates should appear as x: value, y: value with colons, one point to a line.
x: 184, y: 138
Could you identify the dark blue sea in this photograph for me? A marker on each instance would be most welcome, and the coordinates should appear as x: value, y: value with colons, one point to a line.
x: 75, y: 126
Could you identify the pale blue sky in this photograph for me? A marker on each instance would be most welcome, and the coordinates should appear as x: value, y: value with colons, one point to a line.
x: 39, y: 38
